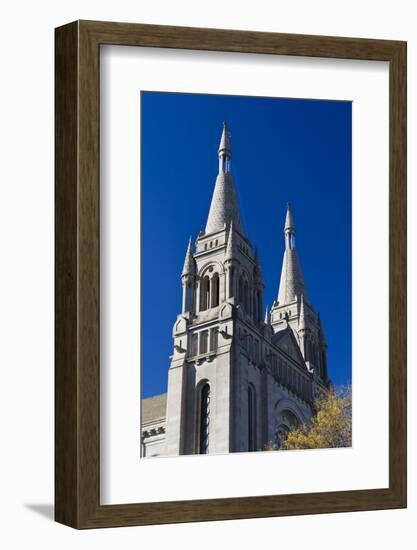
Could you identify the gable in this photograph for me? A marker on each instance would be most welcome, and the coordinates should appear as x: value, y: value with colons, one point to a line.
x: 285, y: 341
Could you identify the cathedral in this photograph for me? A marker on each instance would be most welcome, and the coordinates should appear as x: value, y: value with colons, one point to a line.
x: 238, y: 379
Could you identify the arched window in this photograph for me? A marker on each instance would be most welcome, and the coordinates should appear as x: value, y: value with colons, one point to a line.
x: 209, y: 291
x: 231, y: 282
x: 251, y: 419
x: 205, y: 293
x: 287, y: 421
x: 281, y: 435
x: 215, y: 290
x: 247, y: 299
x: 323, y: 363
x: 204, y: 419
x: 203, y: 305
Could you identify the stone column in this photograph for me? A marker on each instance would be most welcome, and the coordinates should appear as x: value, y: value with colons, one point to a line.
x: 303, y: 347
x: 184, y: 296
x: 223, y: 287
x: 193, y: 297
x: 197, y: 295
x: 175, y: 409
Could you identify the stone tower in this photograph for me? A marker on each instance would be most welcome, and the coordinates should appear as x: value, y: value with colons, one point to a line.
x: 236, y: 381
x: 292, y: 308
x: 221, y: 280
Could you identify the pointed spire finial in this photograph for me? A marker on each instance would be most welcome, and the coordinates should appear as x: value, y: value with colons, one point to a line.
x: 225, y: 148
x: 267, y: 317
x: 292, y: 281
x: 189, y: 266
x: 289, y: 220
x: 224, y: 204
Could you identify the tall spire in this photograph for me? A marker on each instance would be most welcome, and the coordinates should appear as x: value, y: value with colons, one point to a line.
x: 292, y: 281
x: 267, y: 317
x: 225, y: 149
x: 289, y: 229
x: 189, y: 267
x: 224, y: 206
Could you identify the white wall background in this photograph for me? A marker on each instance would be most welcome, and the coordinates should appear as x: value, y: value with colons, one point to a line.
x: 26, y: 275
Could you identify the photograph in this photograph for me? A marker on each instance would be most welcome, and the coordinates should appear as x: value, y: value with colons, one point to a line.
x: 246, y: 274
x: 209, y: 254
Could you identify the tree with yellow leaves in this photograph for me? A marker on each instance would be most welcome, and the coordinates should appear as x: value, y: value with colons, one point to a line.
x: 331, y: 426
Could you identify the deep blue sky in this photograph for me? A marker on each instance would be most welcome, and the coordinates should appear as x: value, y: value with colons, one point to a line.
x: 283, y: 150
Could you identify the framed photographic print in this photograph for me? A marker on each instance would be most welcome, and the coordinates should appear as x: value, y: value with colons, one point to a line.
x: 230, y: 274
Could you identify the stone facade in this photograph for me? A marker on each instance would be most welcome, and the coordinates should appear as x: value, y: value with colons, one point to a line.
x: 237, y: 380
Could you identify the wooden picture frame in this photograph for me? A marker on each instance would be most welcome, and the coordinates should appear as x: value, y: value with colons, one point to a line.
x: 77, y: 405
